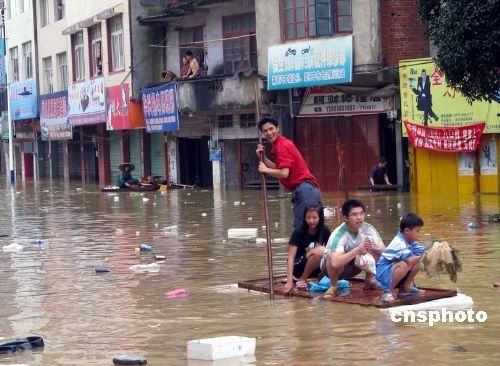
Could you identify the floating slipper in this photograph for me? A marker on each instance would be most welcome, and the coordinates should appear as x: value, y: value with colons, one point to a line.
x: 411, y: 292
x: 21, y: 344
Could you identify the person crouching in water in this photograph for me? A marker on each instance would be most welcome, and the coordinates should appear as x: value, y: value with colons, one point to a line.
x: 350, y: 241
x: 306, y: 247
x: 400, y: 261
x: 125, y: 179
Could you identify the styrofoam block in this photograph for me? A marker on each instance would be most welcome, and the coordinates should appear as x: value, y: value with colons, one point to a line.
x: 220, y: 347
x: 242, y: 233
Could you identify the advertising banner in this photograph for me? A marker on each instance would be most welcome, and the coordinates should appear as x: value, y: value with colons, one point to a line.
x: 426, y: 99
x: 160, y: 108
x: 54, y: 116
x: 117, y: 107
x: 488, y: 156
x: 459, y: 139
x: 4, y: 126
x: 310, y: 63
x: 466, y: 163
x: 328, y: 101
x: 86, y: 102
x: 23, y: 100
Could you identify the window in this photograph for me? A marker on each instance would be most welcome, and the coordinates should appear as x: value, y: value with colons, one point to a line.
x: 95, y: 50
x: 47, y: 75
x: 62, y: 66
x: 59, y: 9
x: 44, y: 12
x: 225, y: 121
x: 14, y: 65
x: 78, y: 62
x: 315, y: 18
x: 239, y: 53
x: 187, y: 39
x: 247, y: 120
x: 27, y: 60
x: 115, y: 36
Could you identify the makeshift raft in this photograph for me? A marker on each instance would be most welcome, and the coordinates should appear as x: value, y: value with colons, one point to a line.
x: 380, y: 187
x: 357, y: 295
x: 144, y: 188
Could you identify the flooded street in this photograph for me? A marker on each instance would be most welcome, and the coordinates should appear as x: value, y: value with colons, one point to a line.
x: 86, y: 318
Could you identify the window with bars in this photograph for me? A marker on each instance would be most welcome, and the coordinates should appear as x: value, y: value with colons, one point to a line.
x: 115, y: 38
x: 78, y: 58
x: 62, y: 70
x: 59, y: 9
x: 191, y: 39
x: 44, y: 12
x: 14, y: 64
x: 247, y: 120
x: 225, y: 121
x: 48, y: 79
x: 27, y: 60
x: 95, y: 58
x: 240, y: 52
x: 315, y: 18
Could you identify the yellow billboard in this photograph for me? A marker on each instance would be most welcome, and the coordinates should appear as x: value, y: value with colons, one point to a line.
x: 426, y: 99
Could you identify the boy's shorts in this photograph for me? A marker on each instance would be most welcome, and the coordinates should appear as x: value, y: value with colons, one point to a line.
x: 350, y: 270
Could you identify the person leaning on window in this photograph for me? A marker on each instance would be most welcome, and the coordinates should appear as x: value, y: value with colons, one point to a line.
x: 194, y: 67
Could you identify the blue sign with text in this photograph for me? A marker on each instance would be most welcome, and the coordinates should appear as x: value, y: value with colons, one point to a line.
x: 160, y: 108
x: 23, y: 100
x: 310, y: 63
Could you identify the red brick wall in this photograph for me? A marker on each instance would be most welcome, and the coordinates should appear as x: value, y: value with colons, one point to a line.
x: 403, y: 36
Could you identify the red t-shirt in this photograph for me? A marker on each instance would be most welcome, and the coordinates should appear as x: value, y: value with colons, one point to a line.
x: 286, y: 155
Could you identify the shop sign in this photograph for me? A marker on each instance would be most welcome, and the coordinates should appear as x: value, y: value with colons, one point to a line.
x: 54, y: 116
x: 86, y: 102
x: 23, y: 100
x: 327, y: 101
x: 117, y: 107
x: 310, y: 63
x: 488, y: 156
x: 160, y: 108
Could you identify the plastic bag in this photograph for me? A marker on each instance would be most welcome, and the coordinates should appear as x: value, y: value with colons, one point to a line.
x: 366, y: 262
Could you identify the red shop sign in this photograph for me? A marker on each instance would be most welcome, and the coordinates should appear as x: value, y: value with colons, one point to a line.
x: 445, y: 139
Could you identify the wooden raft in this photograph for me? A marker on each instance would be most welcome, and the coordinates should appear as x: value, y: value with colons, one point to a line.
x: 380, y: 187
x: 357, y: 295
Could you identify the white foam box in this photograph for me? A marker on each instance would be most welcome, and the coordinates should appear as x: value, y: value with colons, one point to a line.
x: 242, y: 233
x: 220, y: 348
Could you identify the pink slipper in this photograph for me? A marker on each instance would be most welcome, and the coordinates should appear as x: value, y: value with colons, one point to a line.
x: 180, y: 292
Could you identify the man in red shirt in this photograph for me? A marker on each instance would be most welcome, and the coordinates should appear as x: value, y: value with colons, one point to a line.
x: 290, y: 167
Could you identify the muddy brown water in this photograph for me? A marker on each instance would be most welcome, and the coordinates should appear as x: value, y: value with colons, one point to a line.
x: 86, y: 318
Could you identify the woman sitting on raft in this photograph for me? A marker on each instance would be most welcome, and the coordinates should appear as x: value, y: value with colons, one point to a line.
x: 125, y: 179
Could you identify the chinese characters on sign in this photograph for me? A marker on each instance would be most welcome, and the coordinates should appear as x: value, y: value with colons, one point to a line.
x: 327, y: 101
x: 54, y: 116
x: 23, y: 100
x: 455, y: 139
x: 160, y: 108
x: 86, y: 102
x: 427, y: 99
x: 117, y: 107
x: 310, y: 63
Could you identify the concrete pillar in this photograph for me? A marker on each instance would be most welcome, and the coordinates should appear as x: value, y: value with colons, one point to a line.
x: 399, y: 153
x: 65, y: 161
x: 146, y: 153
x: 103, y: 151
x: 82, y: 155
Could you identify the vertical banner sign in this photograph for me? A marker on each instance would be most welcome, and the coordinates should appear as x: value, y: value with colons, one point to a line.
x: 160, y: 108
x: 86, y: 102
x: 488, y: 156
x: 54, y: 116
x: 310, y: 63
x: 23, y: 100
x: 117, y: 107
x: 466, y: 163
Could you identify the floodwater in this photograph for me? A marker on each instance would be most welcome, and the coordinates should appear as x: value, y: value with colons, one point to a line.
x: 86, y: 318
